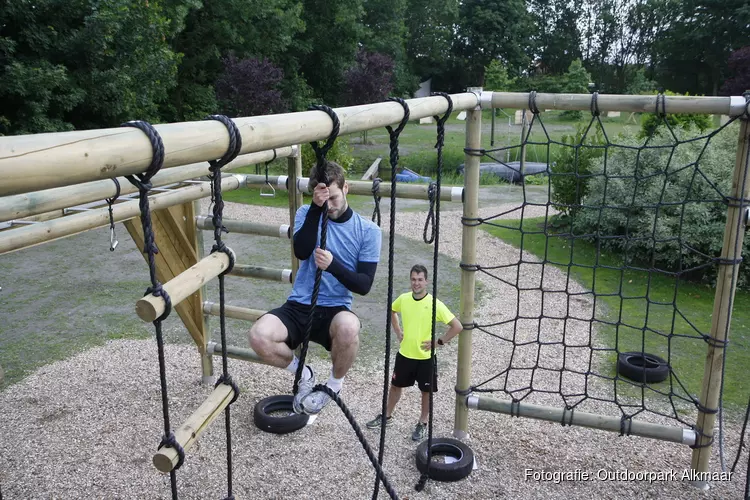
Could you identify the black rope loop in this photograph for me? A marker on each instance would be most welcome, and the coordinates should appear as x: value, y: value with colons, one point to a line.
x: 570, y: 419
x: 227, y: 379
x: 322, y: 151
x: 157, y: 290
x: 110, y: 202
x: 143, y: 181
x: 470, y: 267
x: 472, y: 221
x: 235, y: 142
x: 376, y: 197
x: 171, y: 441
x: 728, y: 262
x: 734, y: 202
x: 268, y: 163
x: 404, y: 120
x: 463, y: 392
x: 661, y: 102
x: 595, y: 104
x: 442, y: 119
x: 719, y: 344
x: 625, y: 430
x: 222, y: 247
x: 470, y: 326
x: 429, y: 224
x: 700, y: 434
x: 532, y: 102
x: 475, y: 152
x: 707, y: 411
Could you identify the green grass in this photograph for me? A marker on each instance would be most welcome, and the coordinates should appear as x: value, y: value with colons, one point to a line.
x: 623, y: 297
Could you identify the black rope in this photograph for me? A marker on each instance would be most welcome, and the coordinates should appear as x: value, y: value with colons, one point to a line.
x: 376, y: 197
x: 440, y: 142
x: 234, y: 148
x: 532, y: 102
x: 429, y: 224
x: 143, y: 183
x: 595, y: 104
x: 393, y: 159
x: 321, y: 170
x: 110, y: 201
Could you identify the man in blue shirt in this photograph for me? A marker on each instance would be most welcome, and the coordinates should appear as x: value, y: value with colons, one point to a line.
x: 348, y: 263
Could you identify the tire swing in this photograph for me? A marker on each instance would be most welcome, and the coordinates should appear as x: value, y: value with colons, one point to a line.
x: 275, y: 414
x: 462, y: 456
x: 642, y: 367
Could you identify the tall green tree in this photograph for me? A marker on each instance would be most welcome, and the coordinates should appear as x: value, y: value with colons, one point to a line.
x: 213, y: 31
x: 557, y: 37
x: 329, y: 44
x: 492, y: 29
x: 430, y: 33
x: 68, y: 64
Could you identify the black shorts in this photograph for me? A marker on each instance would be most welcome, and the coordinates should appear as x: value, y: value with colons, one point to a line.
x: 408, y: 370
x: 295, y: 317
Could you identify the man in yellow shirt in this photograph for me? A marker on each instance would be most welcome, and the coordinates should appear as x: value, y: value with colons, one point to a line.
x: 413, y: 361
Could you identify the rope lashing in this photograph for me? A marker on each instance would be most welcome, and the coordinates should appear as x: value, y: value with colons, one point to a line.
x: 110, y: 201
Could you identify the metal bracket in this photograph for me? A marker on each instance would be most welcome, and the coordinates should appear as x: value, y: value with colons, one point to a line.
x: 477, y: 91
x: 737, y: 105
x: 486, y: 99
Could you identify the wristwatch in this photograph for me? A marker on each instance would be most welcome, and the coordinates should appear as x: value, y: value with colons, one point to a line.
x: 440, y: 342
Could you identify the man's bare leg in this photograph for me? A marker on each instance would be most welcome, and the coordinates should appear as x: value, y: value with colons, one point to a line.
x: 267, y: 338
x: 425, y: 416
x: 344, y: 342
x: 394, y: 394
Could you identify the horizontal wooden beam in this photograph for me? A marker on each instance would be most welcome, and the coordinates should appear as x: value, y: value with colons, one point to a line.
x: 244, y: 354
x: 262, y: 273
x: 166, y: 458
x: 583, y: 419
x: 403, y: 190
x: 37, y: 202
x: 42, y: 232
x: 235, y: 312
x: 732, y: 106
x: 245, y: 227
x: 44, y: 161
x: 181, y: 286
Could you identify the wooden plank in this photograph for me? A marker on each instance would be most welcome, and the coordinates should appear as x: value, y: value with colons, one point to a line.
x: 372, y: 172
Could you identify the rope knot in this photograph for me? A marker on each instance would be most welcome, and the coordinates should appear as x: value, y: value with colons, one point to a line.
x: 170, y: 441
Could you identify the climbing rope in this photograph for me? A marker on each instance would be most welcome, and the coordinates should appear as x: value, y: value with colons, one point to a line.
x: 235, y: 145
x: 110, y: 201
x: 143, y: 183
x: 376, y: 197
x: 394, y: 135
x: 436, y: 228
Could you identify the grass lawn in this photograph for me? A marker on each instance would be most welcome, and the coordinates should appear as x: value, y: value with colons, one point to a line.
x: 644, y: 305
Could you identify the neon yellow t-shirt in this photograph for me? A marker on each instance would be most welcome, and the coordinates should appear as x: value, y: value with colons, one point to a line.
x: 416, y: 316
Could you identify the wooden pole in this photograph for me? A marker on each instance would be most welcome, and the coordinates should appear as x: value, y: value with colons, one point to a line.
x: 244, y: 354
x: 732, y: 106
x: 245, y: 227
x: 24, y: 237
x: 38, y: 202
x: 726, y: 282
x: 181, y: 286
x: 207, y: 361
x: 294, y: 169
x: 43, y: 161
x: 405, y: 190
x: 262, y: 273
x: 235, y: 312
x: 582, y: 419
x: 166, y: 458
x: 468, y: 277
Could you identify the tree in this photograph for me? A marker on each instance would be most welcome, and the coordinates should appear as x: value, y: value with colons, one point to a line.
x: 250, y: 87
x: 430, y: 32
x: 557, y: 37
x: 329, y: 44
x: 84, y: 64
x: 496, y: 77
x: 739, y: 66
x: 369, y: 80
x: 492, y: 29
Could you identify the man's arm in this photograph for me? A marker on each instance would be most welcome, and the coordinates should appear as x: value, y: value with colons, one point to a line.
x: 359, y: 281
x: 397, y: 326
x: 306, y: 238
x: 455, y: 328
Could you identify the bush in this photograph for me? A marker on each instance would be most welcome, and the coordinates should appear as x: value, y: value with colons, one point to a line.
x: 650, y: 121
x: 659, y: 210
x: 340, y: 153
x: 572, y: 167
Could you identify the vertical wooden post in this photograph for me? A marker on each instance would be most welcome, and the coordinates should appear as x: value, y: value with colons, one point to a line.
x: 294, y: 164
x: 468, y: 256
x: 207, y: 363
x: 731, y: 252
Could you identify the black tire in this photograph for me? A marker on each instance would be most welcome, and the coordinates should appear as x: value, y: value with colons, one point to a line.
x: 642, y: 367
x: 265, y: 421
x: 442, y: 471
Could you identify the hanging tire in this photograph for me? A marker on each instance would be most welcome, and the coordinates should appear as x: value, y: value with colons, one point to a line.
x: 266, y: 420
x: 440, y: 471
x: 642, y: 367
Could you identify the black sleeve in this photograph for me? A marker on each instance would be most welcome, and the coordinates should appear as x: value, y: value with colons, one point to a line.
x: 306, y: 238
x: 358, y: 282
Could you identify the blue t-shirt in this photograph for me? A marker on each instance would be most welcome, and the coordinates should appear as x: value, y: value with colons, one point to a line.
x: 356, y: 240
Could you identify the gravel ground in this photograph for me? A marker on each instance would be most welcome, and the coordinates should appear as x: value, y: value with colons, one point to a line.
x: 87, y: 427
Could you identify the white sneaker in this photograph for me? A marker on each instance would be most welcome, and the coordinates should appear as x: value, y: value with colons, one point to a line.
x: 303, y: 390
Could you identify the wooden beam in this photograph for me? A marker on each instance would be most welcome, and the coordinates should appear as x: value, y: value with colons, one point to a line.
x: 262, y: 273
x: 44, y: 161
x: 235, y: 312
x: 181, y: 286
x: 166, y: 458
x: 245, y: 227
x: 372, y: 172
